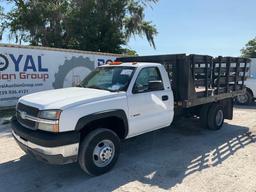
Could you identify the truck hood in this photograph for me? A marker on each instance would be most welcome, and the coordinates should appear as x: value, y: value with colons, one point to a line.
x: 67, y: 97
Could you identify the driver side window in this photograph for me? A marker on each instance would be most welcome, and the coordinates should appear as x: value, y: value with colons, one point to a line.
x: 144, y: 78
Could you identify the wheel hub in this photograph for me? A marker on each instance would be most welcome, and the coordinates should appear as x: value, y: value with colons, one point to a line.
x: 106, y: 153
x: 219, y: 117
x: 242, y: 98
x: 103, y: 153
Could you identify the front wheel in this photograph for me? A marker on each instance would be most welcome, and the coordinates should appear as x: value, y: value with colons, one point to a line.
x: 245, y: 99
x: 99, y: 151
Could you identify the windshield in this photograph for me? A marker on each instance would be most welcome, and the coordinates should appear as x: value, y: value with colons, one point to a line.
x: 109, y: 78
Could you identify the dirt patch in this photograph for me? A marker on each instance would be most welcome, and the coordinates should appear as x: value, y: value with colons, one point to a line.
x: 181, y: 158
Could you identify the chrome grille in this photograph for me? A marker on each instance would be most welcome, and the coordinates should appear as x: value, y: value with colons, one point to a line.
x: 32, y: 111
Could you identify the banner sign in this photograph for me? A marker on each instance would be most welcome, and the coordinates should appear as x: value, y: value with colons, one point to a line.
x: 25, y: 70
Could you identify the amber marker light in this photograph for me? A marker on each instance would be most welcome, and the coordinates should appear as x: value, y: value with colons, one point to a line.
x: 116, y: 63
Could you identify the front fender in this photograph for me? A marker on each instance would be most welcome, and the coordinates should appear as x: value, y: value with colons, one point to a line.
x: 83, y: 121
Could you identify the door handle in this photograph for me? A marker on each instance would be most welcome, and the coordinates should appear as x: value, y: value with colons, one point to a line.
x: 165, y: 97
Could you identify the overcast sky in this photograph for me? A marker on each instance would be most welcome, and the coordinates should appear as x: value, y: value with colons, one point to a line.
x: 219, y: 27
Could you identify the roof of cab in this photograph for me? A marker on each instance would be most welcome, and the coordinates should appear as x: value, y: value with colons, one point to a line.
x: 132, y: 64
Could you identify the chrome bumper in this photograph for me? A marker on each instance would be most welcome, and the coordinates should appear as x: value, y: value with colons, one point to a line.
x: 48, y: 153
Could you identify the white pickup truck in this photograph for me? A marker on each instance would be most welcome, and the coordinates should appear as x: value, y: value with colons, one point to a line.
x: 250, y: 95
x: 122, y: 100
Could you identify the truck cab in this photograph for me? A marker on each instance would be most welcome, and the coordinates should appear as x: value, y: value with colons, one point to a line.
x: 120, y: 100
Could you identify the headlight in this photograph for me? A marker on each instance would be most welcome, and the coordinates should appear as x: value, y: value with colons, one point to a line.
x: 49, y: 120
x: 50, y: 114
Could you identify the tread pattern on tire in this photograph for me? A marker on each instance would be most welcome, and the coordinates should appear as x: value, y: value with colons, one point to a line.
x: 212, y: 117
x: 204, y: 115
x: 250, y: 98
x: 85, y: 145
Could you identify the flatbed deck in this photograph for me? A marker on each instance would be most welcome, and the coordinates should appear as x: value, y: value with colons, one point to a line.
x: 200, y: 79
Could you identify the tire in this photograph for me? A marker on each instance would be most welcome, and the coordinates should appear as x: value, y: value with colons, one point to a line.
x: 215, y: 117
x: 204, y: 116
x: 91, y: 153
x: 246, y: 99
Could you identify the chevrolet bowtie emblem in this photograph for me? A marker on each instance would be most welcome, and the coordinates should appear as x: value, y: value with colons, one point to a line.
x: 23, y: 114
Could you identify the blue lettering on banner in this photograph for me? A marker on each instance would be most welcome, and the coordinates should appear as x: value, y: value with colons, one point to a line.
x: 40, y: 68
x: 29, y: 60
x: 102, y: 61
x: 29, y: 63
x: 109, y: 61
x: 16, y: 61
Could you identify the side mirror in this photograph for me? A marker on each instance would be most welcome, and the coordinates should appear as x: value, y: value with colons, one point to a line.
x: 155, y: 85
x: 138, y: 88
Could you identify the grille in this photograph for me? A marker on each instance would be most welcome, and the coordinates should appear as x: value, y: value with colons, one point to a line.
x: 32, y: 111
x: 25, y: 122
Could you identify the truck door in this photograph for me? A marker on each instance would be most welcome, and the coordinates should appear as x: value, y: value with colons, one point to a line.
x: 150, y: 107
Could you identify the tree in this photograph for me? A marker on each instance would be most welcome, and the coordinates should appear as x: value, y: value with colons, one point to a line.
x: 94, y: 25
x: 249, y: 50
x: 2, y: 24
x: 129, y: 52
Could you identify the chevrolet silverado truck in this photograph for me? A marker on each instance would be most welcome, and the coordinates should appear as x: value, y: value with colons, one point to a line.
x: 249, y: 96
x: 123, y: 99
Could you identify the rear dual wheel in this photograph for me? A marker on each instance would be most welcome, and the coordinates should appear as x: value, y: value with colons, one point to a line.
x: 212, y: 116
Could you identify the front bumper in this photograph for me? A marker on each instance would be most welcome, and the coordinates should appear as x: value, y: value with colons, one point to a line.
x: 60, y: 148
